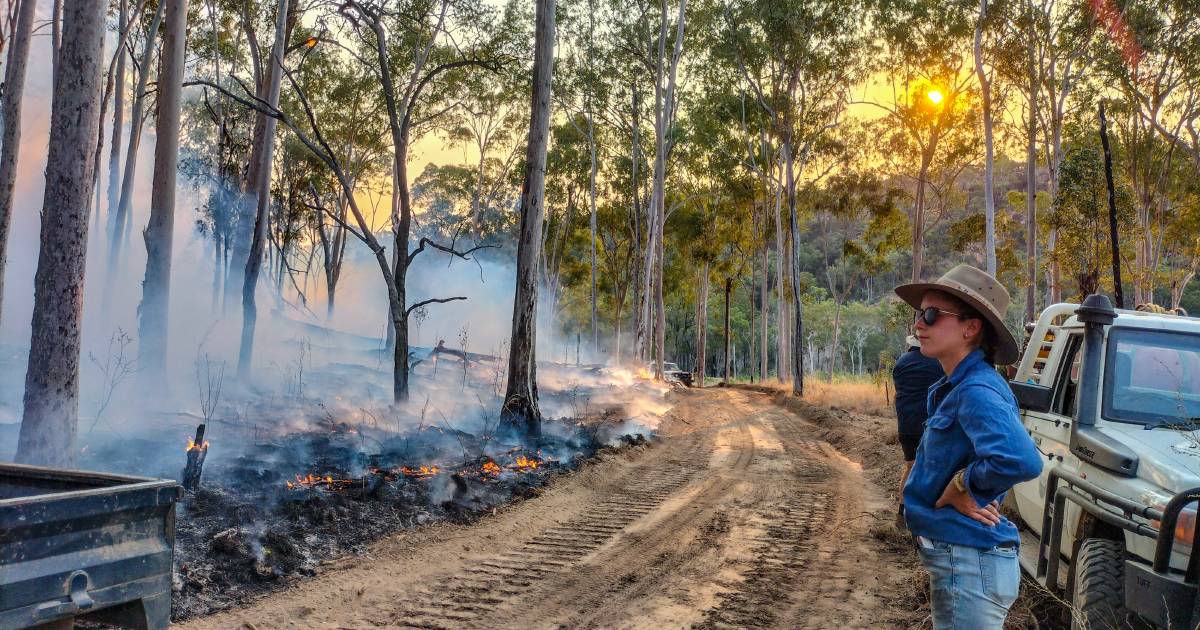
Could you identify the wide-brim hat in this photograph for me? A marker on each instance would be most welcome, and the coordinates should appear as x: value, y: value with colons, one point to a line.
x: 982, y: 292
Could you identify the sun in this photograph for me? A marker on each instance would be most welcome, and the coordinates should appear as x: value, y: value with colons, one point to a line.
x: 935, y: 97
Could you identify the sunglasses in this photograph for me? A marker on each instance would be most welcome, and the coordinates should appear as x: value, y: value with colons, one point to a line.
x: 930, y: 315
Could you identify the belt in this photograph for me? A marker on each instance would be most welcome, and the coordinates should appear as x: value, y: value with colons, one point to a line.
x: 1007, y: 545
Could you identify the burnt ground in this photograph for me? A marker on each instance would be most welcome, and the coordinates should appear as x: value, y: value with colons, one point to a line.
x: 747, y: 513
x: 255, y: 526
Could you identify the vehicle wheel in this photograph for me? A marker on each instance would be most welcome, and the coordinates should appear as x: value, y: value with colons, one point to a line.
x: 1098, y: 595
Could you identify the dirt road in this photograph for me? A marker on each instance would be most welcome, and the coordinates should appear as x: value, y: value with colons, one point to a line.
x: 739, y: 517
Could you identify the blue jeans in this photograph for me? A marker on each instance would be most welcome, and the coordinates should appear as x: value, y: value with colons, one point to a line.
x: 970, y: 588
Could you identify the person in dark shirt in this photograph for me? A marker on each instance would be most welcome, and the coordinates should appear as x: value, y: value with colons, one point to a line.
x: 912, y: 375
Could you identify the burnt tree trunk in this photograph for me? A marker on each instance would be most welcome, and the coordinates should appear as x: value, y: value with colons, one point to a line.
x: 1114, y: 238
x: 51, y: 413
x: 156, y: 287
x: 520, y: 411
x: 14, y: 88
x: 261, y: 197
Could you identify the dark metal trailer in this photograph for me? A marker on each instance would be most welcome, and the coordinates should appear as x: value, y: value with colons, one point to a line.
x: 84, y: 544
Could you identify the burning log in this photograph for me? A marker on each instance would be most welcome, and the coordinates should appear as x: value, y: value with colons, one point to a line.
x: 197, y: 450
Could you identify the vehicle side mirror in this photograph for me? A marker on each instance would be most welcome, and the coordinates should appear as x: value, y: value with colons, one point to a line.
x: 1032, y: 397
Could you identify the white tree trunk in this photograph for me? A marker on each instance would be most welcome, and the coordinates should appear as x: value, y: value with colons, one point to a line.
x: 989, y: 197
x: 156, y: 287
x: 10, y: 109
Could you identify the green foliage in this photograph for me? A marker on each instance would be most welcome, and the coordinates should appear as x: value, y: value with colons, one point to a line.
x: 1081, y: 216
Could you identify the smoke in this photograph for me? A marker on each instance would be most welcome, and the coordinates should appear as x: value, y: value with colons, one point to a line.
x: 309, y: 372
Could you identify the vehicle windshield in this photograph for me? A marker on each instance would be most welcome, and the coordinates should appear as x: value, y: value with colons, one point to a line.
x: 1153, y: 378
x: 670, y: 367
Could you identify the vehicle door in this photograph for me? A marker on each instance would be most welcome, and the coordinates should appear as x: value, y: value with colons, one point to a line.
x: 1051, y: 430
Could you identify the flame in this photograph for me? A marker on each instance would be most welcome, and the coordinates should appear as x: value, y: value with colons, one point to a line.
x: 311, y: 480
x: 192, y: 446
x: 525, y: 463
x: 421, y: 471
x: 490, y: 468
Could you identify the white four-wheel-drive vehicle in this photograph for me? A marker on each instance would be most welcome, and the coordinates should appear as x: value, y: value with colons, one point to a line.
x: 1112, y: 400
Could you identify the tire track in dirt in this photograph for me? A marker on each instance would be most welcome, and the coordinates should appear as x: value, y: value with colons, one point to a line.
x: 482, y: 591
x: 738, y: 517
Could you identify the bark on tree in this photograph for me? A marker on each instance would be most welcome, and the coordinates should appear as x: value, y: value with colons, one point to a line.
x: 664, y: 119
x: 763, y: 302
x: 261, y: 196
x: 728, y: 291
x: 156, y: 287
x: 797, y: 307
x: 137, y: 117
x: 781, y: 359
x: 51, y: 411
x: 595, y: 166
x: 1030, y: 188
x: 702, y: 328
x: 56, y: 18
x: 985, y: 89
x: 119, y: 84
x: 14, y: 88
x: 520, y: 411
x: 1114, y: 238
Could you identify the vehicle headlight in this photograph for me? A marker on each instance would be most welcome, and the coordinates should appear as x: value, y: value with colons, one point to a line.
x: 1185, y: 526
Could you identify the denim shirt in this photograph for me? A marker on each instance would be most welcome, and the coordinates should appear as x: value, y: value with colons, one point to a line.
x: 973, y: 424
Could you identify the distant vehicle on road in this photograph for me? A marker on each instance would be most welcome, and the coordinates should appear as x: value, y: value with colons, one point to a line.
x: 672, y: 373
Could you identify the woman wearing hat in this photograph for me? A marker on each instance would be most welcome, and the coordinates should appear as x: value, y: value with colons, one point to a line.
x: 974, y: 449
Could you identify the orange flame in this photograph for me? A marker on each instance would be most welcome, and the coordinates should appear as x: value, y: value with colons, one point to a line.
x: 422, y: 471
x: 311, y: 480
x: 525, y: 463
x: 490, y: 468
x: 192, y: 446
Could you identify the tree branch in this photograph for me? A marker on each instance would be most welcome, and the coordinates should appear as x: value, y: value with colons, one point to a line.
x: 418, y: 305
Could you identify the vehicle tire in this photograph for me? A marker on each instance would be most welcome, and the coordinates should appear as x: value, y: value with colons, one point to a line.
x: 1098, y: 595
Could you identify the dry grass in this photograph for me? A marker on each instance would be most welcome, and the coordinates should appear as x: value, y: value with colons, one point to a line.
x: 851, y: 393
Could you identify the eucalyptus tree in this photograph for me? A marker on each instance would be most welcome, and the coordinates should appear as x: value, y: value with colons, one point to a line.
x: 156, y: 286
x: 520, y: 411
x: 799, y: 60
x: 51, y: 403
x: 10, y: 114
x: 859, y: 227
x: 925, y: 48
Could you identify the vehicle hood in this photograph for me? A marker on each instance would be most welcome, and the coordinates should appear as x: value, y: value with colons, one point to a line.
x: 1168, y: 458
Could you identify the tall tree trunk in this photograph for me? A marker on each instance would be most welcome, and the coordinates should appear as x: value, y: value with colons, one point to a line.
x: 262, y: 197
x: 989, y: 197
x: 728, y: 291
x: 702, y: 328
x: 122, y: 219
x: 781, y: 360
x: 10, y: 109
x: 797, y: 307
x: 56, y: 19
x: 156, y: 287
x: 834, y: 351
x: 1031, y: 186
x: 918, y: 224
x: 1114, y: 238
x: 520, y: 411
x: 635, y: 222
x: 114, y: 152
x: 592, y: 202
x: 763, y: 303
x: 51, y: 413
